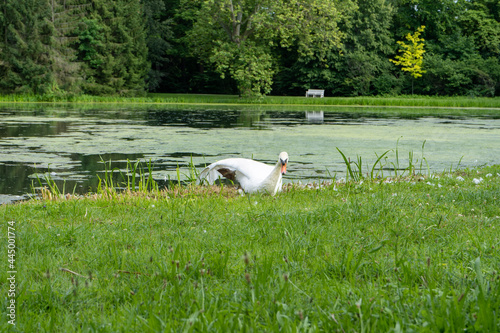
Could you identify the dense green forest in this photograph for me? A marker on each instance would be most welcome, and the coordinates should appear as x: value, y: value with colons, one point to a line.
x: 250, y: 47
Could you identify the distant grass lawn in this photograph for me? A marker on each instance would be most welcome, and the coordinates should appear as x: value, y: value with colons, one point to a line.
x: 419, y: 254
x: 420, y: 101
x: 160, y: 98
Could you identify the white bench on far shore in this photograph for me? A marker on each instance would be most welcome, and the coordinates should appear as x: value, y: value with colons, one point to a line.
x: 315, y: 93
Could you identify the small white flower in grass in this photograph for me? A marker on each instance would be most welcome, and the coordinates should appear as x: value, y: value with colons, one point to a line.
x: 477, y: 181
x: 431, y: 184
x: 58, y: 234
x: 152, y: 206
x: 460, y: 178
x: 204, y: 231
x: 489, y: 175
x: 439, y: 185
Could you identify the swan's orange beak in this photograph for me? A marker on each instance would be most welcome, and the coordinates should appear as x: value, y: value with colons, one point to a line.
x: 283, y: 168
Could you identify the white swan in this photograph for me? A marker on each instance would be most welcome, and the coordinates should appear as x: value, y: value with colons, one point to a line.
x: 252, y: 176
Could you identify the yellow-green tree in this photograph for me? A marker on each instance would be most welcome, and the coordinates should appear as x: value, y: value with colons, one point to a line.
x: 412, y: 55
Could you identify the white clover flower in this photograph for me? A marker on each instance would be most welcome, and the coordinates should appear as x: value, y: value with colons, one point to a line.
x: 477, y: 181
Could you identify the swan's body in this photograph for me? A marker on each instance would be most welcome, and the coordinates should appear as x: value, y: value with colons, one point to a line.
x: 252, y: 176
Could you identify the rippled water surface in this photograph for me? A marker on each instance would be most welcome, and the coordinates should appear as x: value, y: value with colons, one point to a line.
x: 71, y: 143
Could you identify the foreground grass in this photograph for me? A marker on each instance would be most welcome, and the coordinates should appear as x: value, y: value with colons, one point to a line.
x: 412, y: 255
x: 156, y: 98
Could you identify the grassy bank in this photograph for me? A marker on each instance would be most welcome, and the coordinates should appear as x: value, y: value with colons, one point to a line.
x: 409, y: 101
x: 417, y: 254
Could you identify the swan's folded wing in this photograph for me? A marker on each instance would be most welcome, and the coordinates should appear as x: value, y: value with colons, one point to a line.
x: 234, y: 169
x: 215, y: 171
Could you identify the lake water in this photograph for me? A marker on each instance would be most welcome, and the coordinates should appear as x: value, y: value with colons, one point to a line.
x: 70, y: 143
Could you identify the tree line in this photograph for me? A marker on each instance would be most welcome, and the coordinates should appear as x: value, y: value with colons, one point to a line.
x: 250, y: 47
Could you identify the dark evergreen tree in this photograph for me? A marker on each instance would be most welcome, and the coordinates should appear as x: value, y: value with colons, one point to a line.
x: 25, y: 59
x: 112, y: 45
x: 64, y: 16
x: 159, y: 33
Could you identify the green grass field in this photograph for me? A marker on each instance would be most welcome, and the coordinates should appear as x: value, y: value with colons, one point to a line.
x: 157, y: 98
x: 417, y: 254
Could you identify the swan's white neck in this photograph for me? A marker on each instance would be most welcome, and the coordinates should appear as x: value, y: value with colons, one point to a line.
x: 273, y: 181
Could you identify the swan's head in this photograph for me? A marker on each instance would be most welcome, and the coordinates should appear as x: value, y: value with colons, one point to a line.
x: 283, y: 160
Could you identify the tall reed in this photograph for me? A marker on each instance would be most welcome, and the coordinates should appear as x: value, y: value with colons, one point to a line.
x: 48, y: 187
x: 354, y: 169
x: 135, y: 178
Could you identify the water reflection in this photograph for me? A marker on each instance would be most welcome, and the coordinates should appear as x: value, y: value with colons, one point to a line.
x: 32, y: 129
x: 13, y: 177
x: 207, y: 119
x: 315, y: 116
